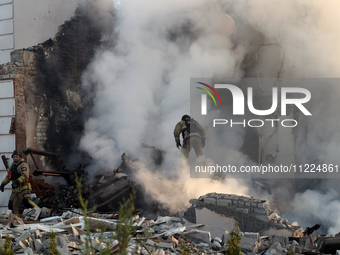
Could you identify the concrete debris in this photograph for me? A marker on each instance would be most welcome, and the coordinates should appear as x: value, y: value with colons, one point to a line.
x: 275, y: 249
x: 69, y: 214
x: 6, y: 214
x: 18, y: 246
x: 328, y: 245
x: 216, y: 246
x: 204, y: 232
x: 38, y: 245
x: 309, y: 230
x: 52, y: 219
x: 31, y: 214
x: 45, y: 212
x: 253, y: 215
x: 15, y: 221
x: 203, y: 236
x: 250, y: 242
x: 282, y: 240
x: 28, y: 251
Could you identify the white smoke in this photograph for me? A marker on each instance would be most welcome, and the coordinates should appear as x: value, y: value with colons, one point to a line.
x: 319, y: 207
x: 175, y: 193
x: 141, y: 86
x: 308, y: 34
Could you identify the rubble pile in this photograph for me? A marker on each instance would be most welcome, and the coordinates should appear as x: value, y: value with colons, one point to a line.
x: 45, y: 194
x: 59, y: 197
x: 252, y: 214
x: 165, y: 234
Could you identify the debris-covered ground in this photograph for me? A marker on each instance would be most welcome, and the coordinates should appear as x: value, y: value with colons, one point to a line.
x: 203, y: 229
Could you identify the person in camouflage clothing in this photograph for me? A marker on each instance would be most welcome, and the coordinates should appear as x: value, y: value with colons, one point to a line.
x: 21, y: 188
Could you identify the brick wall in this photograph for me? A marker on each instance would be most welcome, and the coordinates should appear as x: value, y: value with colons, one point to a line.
x: 47, y: 87
x: 20, y: 115
x: 42, y: 127
x: 12, y: 72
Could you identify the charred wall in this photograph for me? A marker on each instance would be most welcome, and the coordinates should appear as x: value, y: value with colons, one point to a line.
x: 51, y: 105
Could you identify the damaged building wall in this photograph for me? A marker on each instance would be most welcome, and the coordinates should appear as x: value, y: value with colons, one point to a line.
x: 48, y: 77
x: 12, y: 121
x: 252, y: 215
x: 267, y: 60
x: 20, y: 28
x: 48, y: 100
x: 6, y: 30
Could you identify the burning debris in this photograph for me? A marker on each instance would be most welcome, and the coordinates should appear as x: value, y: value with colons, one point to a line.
x: 203, y: 229
x: 196, y: 233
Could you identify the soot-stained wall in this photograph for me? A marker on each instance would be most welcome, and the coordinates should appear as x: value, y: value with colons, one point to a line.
x: 49, y: 78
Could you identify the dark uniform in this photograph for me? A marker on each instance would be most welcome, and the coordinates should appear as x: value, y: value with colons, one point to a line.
x: 21, y: 188
x: 193, y: 136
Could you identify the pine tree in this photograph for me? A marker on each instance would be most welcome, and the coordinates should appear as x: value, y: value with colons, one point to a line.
x: 234, y: 239
x: 6, y: 249
x: 53, y: 244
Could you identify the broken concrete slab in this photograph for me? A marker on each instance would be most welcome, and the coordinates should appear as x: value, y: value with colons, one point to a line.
x: 139, y: 223
x: 250, y: 242
x: 252, y: 214
x: 62, y: 241
x: 97, y: 244
x: 101, y: 224
x: 214, y: 223
x: 40, y: 227
x: 45, y: 212
x: 161, y: 220
x: 176, y: 219
x: 19, y: 245
x: 6, y: 213
x: 38, y: 244
x: 31, y: 243
x: 203, y: 236
x: 174, y: 231
x: 63, y: 251
x: 276, y: 231
x: 150, y: 242
x: 37, y: 234
x: 328, y: 245
x: 46, y: 244
x: 165, y: 245
x: 74, y: 231
x: 275, y: 249
x: 80, y: 231
x: 282, y: 240
x: 69, y: 214
x: 28, y: 251
x: 72, y: 220
x: 23, y: 236
x: 15, y: 221
x: 52, y: 219
x: 35, y: 214
x: 216, y: 246
x: 311, y: 239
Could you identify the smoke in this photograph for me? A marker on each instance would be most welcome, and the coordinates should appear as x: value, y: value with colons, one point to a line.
x: 174, y: 193
x: 140, y: 84
x: 308, y: 36
x: 319, y: 207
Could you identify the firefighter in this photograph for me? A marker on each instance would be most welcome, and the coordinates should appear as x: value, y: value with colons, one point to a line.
x: 21, y: 188
x: 193, y: 136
